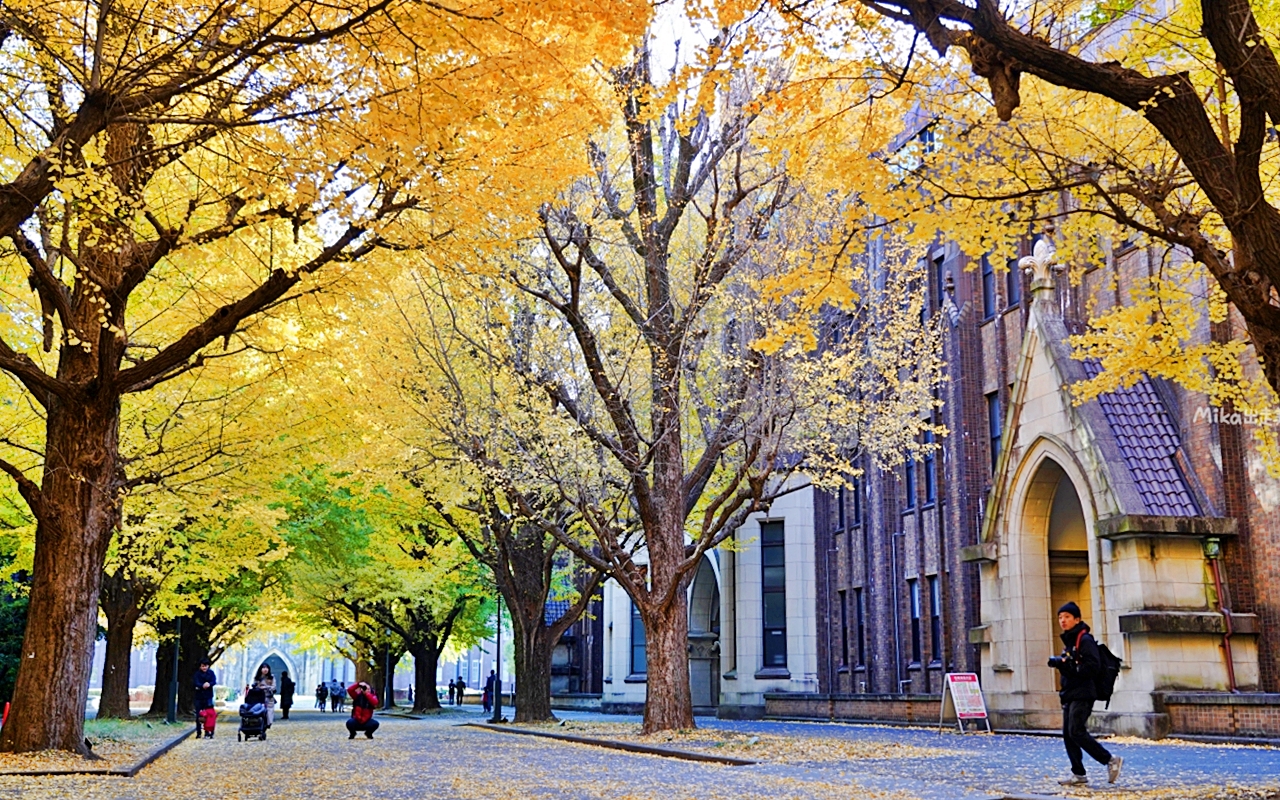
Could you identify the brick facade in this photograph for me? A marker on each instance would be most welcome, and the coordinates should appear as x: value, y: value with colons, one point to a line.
x: 885, y: 542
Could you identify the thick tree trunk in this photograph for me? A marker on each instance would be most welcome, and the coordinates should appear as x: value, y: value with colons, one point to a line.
x: 164, y: 669
x: 668, y: 702
x: 425, y: 662
x: 114, y: 703
x: 79, y: 509
x: 533, y: 674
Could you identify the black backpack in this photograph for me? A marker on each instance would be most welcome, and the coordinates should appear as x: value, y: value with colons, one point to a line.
x: 1104, y: 683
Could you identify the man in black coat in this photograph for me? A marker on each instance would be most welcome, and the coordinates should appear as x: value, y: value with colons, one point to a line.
x: 204, y: 681
x: 1078, y: 665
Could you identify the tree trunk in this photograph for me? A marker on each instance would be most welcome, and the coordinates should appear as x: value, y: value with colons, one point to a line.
x: 425, y: 662
x: 79, y: 507
x: 164, y: 669
x: 533, y: 674
x: 668, y: 701
x: 114, y: 703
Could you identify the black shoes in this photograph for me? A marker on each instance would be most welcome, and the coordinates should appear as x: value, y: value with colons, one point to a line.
x: 352, y: 736
x: 367, y: 734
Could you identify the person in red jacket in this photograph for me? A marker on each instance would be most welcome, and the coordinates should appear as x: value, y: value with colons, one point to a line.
x: 363, y: 702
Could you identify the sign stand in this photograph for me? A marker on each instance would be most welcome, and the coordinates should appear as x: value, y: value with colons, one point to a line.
x: 963, y: 696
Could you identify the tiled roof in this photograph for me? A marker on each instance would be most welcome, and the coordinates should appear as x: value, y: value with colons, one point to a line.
x: 1149, y: 442
x: 554, y: 610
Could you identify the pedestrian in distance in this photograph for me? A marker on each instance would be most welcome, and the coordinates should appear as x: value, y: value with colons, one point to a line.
x: 1078, y: 665
x: 462, y: 689
x: 338, y: 695
x: 363, y: 702
x: 322, y: 696
x: 287, y: 689
x: 206, y: 715
x: 453, y: 690
x: 265, y: 681
x: 487, y: 699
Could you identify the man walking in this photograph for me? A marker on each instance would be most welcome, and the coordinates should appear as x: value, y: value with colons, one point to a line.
x: 1078, y: 665
x: 462, y: 689
x: 453, y: 688
x: 206, y: 716
x: 488, y: 692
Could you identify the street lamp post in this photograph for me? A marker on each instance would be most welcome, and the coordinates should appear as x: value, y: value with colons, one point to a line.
x: 390, y: 682
x: 497, y: 671
x: 172, y: 716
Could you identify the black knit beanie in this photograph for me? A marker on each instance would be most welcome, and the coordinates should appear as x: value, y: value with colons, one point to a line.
x: 1071, y: 608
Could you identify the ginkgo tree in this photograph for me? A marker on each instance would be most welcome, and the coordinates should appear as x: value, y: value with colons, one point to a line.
x: 644, y: 358
x: 174, y: 173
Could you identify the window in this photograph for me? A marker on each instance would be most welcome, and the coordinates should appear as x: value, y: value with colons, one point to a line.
x: 859, y: 610
x: 1013, y: 285
x: 935, y: 618
x: 994, y: 423
x: 939, y: 284
x: 856, y: 491
x: 840, y: 503
x: 913, y: 590
x: 844, y: 628
x: 930, y: 471
x: 774, y: 588
x: 639, y: 657
x: 909, y: 481
x: 988, y: 289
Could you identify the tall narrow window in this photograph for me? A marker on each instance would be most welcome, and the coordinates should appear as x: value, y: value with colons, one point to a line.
x: 859, y: 610
x: 1013, y: 285
x: 639, y: 655
x: 856, y: 492
x: 930, y: 471
x: 909, y: 481
x: 994, y: 423
x: 913, y: 590
x: 840, y: 506
x: 774, y: 588
x: 988, y: 289
x: 939, y: 284
x: 844, y: 628
x: 935, y: 618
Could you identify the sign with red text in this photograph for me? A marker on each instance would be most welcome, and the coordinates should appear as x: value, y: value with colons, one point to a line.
x: 963, y: 694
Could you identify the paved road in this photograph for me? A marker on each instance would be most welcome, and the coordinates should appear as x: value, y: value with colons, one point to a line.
x: 310, y: 757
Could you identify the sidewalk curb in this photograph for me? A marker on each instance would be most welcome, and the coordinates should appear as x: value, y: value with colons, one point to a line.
x: 615, y: 745
x: 119, y: 772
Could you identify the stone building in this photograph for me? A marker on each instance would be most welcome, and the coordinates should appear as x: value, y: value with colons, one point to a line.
x: 1151, y: 511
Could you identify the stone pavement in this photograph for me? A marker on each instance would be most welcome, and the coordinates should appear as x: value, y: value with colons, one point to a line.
x: 309, y: 757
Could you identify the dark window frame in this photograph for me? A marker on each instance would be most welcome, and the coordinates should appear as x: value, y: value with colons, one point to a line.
x: 860, y: 612
x: 988, y: 289
x: 773, y: 594
x: 856, y: 491
x: 913, y: 600
x: 844, y: 628
x: 909, y: 482
x: 935, y: 618
x: 1013, y: 286
x: 841, y: 520
x: 995, y: 425
x: 930, y: 471
x: 637, y: 624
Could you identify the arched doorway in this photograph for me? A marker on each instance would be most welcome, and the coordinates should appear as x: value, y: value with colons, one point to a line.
x: 704, y: 639
x: 278, y: 667
x: 1055, y: 549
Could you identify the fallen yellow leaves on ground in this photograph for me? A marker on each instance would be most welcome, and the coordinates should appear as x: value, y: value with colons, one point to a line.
x: 757, y: 747
x: 119, y: 744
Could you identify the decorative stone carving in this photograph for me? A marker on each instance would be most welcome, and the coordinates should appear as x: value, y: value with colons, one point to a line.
x: 1040, y: 264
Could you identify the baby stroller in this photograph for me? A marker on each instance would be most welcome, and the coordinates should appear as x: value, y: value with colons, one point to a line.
x: 253, y: 716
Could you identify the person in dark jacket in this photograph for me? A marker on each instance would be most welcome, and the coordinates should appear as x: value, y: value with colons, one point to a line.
x: 363, y: 702
x: 322, y: 695
x: 204, y: 681
x: 287, y: 688
x: 453, y: 689
x: 1078, y: 665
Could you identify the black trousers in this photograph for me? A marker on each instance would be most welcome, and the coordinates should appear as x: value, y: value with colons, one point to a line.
x: 1076, y: 736
x: 369, y: 727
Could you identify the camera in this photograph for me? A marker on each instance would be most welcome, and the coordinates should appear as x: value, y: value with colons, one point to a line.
x: 1057, y: 661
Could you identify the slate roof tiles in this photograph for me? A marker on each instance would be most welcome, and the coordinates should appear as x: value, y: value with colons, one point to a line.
x: 1149, y: 442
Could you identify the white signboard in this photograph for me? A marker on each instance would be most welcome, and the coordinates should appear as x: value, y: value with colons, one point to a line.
x: 963, y: 695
